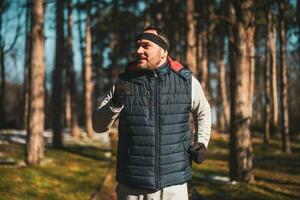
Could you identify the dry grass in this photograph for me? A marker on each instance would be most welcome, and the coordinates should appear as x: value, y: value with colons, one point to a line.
x: 79, y: 171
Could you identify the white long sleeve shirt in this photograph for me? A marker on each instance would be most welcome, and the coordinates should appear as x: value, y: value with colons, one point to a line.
x: 106, y: 113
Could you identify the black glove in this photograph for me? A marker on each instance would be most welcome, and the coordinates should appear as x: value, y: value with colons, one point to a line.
x: 197, y: 152
x: 122, y: 88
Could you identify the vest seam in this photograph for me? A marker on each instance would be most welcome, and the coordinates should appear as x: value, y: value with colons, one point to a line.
x: 173, y: 163
x: 166, y: 134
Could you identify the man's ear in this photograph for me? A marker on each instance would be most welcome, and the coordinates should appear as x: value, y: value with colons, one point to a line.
x: 164, y: 53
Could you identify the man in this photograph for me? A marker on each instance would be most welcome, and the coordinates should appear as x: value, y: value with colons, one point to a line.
x: 153, y: 99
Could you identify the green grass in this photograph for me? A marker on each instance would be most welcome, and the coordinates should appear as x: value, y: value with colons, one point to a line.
x: 71, y: 173
x: 277, y: 176
x: 76, y: 171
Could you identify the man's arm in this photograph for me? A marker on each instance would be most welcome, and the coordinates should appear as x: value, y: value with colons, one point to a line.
x: 201, y: 112
x: 106, y: 113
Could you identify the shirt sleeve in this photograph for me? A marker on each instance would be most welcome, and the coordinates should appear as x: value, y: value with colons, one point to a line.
x: 201, y: 112
x: 105, y: 114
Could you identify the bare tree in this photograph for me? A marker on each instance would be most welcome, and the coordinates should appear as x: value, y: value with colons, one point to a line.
x: 267, y: 78
x: 225, y: 109
x: 80, y: 35
x: 159, y: 13
x: 88, y: 79
x: 202, y: 48
x: 191, y: 52
x: 57, y: 93
x: 241, y: 40
x: 71, y: 85
x: 283, y: 81
x: 274, y: 90
x: 27, y: 63
x: 35, y: 140
x: 4, y: 4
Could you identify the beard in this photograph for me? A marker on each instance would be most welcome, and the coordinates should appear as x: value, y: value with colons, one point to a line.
x: 148, y: 63
x: 144, y: 64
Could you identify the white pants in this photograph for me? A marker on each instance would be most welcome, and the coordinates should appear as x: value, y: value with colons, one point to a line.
x: 176, y: 192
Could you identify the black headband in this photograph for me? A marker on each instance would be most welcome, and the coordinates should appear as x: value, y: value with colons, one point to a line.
x: 154, y: 38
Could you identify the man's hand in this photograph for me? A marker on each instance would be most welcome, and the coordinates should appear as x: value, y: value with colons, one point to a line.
x: 197, y: 152
x: 122, y: 88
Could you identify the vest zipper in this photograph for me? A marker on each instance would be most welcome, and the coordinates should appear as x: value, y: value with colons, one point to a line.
x: 157, y: 139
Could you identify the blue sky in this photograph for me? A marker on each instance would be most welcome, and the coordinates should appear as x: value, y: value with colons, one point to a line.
x: 15, y: 59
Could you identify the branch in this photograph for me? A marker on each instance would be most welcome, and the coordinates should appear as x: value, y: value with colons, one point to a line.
x: 16, y: 35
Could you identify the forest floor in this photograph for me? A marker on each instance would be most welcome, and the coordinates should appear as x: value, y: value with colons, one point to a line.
x: 277, y: 176
x: 82, y: 168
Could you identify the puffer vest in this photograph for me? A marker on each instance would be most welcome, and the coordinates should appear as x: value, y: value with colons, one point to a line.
x: 154, y: 132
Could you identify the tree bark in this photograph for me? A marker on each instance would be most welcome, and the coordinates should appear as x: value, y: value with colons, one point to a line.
x: 191, y: 53
x: 88, y: 84
x: 35, y: 140
x: 202, y: 50
x: 71, y: 85
x: 225, y: 106
x: 81, y: 39
x: 159, y: 13
x: 242, y: 32
x: 2, y: 88
x: 275, y: 113
x: 267, y: 79
x: 57, y: 90
x: 27, y: 63
x: 283, y: 81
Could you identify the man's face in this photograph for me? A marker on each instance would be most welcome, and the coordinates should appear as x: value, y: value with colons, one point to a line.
x: 149, y: 54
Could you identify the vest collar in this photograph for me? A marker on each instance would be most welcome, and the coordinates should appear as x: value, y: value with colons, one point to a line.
x: 161, y: 70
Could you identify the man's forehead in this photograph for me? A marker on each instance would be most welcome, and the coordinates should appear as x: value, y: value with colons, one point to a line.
x: 145, y: 41
x: 151, y: 31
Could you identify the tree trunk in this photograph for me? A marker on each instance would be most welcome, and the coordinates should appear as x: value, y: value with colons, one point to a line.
x: 88, y: 84
x: 147, y: 15
x: 210, y: 49
x: 67, y: 101
x: 114, y: 40
x: 81, y: 39
x: 273, y: 66
x: 283, y: 82
x: 267, y: 79
x: 202, y: 50
x: 27, y: 63
x: 159, y: 13
x: 71, y: 85
x: 35, y: 140
x: 191, y: 53
x: 2, y: 88
x: 57, y: 96
x: 224, y: 113
x: 242, y: 31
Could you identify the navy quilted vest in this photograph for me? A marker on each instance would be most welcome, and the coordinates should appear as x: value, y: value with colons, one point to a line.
x: 154, y: 132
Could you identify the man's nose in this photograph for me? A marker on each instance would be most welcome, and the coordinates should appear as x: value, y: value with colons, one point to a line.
x: 139, y: 50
